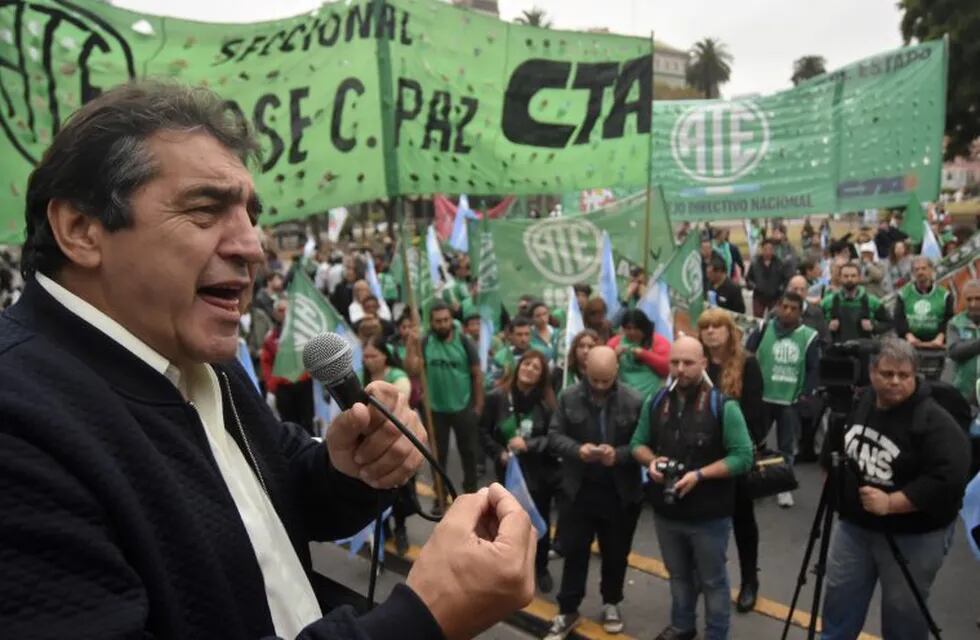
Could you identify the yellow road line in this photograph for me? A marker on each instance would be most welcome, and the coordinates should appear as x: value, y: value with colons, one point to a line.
x: 655, y: 567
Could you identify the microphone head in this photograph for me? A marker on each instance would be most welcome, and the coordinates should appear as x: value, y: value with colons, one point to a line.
x: 328, y: 358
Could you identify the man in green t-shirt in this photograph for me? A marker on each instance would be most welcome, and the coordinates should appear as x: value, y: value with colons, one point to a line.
x: 923, y: 308
x: 452, y: 367
x: 789, y: 354
x: 964, y: 343
x: 519, y: 341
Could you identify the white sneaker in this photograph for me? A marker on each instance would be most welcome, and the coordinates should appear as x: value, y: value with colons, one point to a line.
x: 785, y: 500
x: 562, y: 625
x: 612, y: 622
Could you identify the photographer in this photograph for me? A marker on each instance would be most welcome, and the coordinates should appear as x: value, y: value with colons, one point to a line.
x: 906, y: 466
x: 693, y: 440
x: 852, y: 313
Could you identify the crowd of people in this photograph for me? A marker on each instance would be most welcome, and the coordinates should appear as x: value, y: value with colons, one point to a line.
x: 584, y: 420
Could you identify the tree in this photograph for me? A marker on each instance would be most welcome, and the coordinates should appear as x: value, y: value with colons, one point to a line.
x: 932, y: 19
x: 534, y: 17
x: 807, y: 67
x: 710, y: 67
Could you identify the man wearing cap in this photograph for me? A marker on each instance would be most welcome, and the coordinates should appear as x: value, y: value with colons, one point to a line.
x: 872, y: 272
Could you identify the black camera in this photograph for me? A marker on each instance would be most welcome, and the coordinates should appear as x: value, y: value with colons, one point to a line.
x: 843, y: 370
x: 671, y: 470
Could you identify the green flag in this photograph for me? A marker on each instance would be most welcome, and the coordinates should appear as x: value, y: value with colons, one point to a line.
x: 308, y: 315
x: 683, y: 275
x: 544, y: 257
x: 913, y: 219
x: 484, y: 259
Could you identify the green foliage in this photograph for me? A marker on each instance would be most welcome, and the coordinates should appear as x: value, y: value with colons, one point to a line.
x: 710, y: 67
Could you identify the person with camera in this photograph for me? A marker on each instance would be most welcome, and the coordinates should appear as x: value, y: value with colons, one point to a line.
x: 906, y: 465
x: 923, y: 308
x: 852, y: 313
x: 789, y: 356
x: 693, y: 440
x: 591, y: 431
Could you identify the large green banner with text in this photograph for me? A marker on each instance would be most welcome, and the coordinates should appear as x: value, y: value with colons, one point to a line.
x: 354, y: 101
x: 864, y: 136
x: 543, y: 257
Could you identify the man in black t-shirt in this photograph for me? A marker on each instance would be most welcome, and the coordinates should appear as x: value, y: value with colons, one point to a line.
x: 727, y: 294
x: 906, y: 463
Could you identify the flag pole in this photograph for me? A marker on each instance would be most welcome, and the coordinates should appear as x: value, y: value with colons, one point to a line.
x: 416, y: 322
x: 649, y: 204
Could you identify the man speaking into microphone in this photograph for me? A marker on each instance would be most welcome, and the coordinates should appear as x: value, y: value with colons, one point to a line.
x: 147, y: 491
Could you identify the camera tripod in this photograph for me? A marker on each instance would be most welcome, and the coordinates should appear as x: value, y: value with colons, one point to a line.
x: 822, y: 523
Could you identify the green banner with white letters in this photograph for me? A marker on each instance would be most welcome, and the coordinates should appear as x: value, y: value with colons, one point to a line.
x: 353, y: 101
x: 867, y: 135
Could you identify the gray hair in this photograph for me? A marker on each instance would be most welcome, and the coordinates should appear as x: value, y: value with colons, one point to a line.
x: 920, y: 258
x: 897, y: 350
x: 99, y: 158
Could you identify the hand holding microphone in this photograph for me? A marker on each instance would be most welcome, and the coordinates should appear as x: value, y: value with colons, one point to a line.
x: 362, y: 442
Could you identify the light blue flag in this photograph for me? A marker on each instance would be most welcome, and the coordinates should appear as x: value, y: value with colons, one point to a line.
x: 246, y: 359
x: 608, y: 288
x: 486, y: 336
x: 459, y: 238
x: 361, y: 538
x: 930, y: 246
x: 574, y: 325
x: 325, y: 409
x: 824, y: 237
x: 971, y: 513
x: 434, y: 252
x: 371, y: 275
x: 750, y: 238
x: 656, y: 304
x: 514, y: 482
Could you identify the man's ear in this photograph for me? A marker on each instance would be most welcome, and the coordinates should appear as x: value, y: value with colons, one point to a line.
x: 79, y: 236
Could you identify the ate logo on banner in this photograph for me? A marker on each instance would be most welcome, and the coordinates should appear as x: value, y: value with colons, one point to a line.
x: 721, y: 142
x: 307, y: 322
x: 565, y: 251
x: 691, y: 273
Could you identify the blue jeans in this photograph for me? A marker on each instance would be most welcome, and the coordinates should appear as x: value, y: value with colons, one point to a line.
x: 858, y: 559
x: 787, y: 419
x: 694, y: 553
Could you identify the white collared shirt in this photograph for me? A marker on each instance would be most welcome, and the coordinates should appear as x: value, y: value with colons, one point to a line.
x: 292, y: 602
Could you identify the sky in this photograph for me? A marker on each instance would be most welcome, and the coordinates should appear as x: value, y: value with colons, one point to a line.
x: 763, y: 36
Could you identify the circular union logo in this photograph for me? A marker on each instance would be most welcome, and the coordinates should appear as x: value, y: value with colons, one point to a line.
x: 720, y: 143
x: 307, y: 321
x: 786, y: 352
x: 691, y: 273
x: 565, y: 251
x: 921, y: 308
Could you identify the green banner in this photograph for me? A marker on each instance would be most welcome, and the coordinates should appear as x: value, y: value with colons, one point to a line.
x: 544, y: 257
x: 308, y: 315
x: 865, y: 136
x: 683, y: 275
x: 352, y: 101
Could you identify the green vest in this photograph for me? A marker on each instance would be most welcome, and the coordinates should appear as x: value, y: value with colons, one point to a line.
x: 924, y: 311
x: 966, y: 373
x: 447, y: 368
x: 783, y: 363
x: 636, y: 374
x: 389, y: 288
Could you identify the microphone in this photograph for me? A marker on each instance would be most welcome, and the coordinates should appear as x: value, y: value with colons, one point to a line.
x: 329, y: 358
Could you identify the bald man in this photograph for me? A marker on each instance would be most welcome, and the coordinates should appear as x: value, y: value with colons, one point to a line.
x: 964, y: 343
x: 591, y: 431
x: 692, y: 424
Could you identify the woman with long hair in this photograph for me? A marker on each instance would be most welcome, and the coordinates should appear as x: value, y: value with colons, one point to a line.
x: 644, y: 357
x: 899, y: 266
x: 582, y: 343
x: 737, y: 374
x: 515, y: 423
x: 543, y: 335
x: 381, y: 363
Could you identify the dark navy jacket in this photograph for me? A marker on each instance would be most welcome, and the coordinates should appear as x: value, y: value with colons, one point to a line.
x: 114, y: 519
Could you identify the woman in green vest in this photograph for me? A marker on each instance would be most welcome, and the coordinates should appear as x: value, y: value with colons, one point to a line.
x: 644, y: 357
x: 515, y: 423
x: 543, y: 335
x: 379, y: 364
